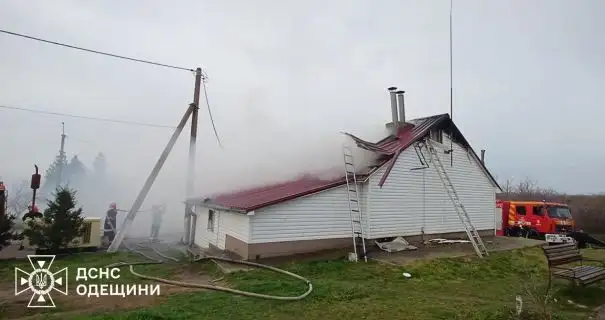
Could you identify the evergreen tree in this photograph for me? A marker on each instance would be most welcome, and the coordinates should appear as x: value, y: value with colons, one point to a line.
x: 100, y: 166
x: 7, y: 221
x: 75, y: 173
x: 51, y: 177
x: 60, y: 225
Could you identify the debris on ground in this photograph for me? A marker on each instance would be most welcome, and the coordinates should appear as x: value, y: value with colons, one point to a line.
x: 396, y: 245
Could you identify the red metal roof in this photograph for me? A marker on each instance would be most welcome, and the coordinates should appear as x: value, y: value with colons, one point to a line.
x: 391, y: 147
x: 259, y: 197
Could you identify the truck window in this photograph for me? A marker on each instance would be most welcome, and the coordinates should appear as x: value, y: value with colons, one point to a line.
x: 538, y: 211
x: 559, y: 212
x: 521, y: 210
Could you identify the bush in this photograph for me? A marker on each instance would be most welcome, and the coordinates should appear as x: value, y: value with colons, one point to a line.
x: 7, y: 221
x: 61, y: 223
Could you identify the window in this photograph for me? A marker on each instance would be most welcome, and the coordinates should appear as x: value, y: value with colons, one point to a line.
x: 539, y: 211
x: 437, y: 135
x: 521, y: 210
x: 559, y: 212
x: 211, y: 220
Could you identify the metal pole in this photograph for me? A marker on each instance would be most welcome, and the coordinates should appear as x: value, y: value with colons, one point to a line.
x: 191, y: 165
x: 34, y: 191
x: 61, y: 156
x: 147, y: 186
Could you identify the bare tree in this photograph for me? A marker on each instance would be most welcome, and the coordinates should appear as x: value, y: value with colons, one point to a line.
x: 19, y: 198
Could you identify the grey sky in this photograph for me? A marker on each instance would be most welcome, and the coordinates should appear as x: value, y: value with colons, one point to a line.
x: 286, y: 77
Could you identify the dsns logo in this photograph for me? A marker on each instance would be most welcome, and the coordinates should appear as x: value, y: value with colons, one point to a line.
x: 41, y: 281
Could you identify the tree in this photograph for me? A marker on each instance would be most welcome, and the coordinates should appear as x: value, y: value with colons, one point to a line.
x: 61, y: 223
x: 100, y: 166
x: 51, y: 177
x: 19, y: 197
x: 75, y: 173
x: 6, y: 221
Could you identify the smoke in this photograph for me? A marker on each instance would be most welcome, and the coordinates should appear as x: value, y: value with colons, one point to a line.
x: 262, y: 144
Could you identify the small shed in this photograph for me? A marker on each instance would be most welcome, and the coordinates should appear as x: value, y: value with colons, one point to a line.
x: 399, y: 195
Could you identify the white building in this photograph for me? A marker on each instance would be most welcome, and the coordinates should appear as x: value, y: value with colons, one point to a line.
x: 401, y: 195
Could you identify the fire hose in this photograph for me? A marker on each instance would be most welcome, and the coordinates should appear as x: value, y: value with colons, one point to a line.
x: 209, y: 286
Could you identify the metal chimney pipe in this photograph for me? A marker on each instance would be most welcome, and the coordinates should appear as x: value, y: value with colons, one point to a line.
x: 483, y: 156
x: 394, y: 117
x: 400, y: 101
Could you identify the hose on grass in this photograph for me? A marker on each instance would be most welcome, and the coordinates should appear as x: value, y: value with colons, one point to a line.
x: 209, y: 286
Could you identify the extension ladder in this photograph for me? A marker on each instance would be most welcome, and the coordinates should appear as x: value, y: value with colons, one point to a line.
x: 359, y: 244
x: 472, y: 233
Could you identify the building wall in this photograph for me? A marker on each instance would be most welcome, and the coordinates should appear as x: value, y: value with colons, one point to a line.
x: 415, y: 201
x: 323, y: 215
x: 236, y: 225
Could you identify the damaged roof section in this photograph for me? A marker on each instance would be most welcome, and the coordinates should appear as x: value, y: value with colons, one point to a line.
x: 388, y: 148
x: 409, y: 133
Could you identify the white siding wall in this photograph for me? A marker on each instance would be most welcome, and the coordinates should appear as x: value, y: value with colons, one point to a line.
x: 413, y: 200
x: 236, y: 225
x: 323, y: 215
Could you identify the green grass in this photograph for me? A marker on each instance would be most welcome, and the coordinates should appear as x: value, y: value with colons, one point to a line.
x: 453, y: 289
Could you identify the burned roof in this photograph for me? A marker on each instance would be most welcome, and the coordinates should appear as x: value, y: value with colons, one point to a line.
x: 389, y: 147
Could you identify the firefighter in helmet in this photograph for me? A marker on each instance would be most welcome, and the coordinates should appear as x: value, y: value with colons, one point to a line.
x: 111, y: 222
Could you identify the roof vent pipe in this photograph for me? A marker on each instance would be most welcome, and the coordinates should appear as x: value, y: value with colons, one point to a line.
x: 483, y: 156
x: 401, y: 103
x: 394, y: 117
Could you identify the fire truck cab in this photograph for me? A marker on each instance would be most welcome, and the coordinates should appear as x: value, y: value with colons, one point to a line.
x: 534, y: 219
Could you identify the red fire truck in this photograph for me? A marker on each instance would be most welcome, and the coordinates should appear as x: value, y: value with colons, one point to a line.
x: 550, y: 221
x: 534, y: 219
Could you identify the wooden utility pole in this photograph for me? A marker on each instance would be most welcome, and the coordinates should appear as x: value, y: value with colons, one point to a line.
x: 192, y: 111
x: 191, y: 165
x: 117, y: 241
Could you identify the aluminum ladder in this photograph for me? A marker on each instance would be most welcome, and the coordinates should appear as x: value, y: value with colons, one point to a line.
x: 472, y: 233
x: 359, y: 244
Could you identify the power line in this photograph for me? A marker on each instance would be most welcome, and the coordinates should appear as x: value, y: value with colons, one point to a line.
x: 95, y: 51
x: 133, y: 123
x: 218, y: 139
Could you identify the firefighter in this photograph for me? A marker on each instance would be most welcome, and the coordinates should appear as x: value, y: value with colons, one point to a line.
x: 157, y: 212
x: 110, y: 222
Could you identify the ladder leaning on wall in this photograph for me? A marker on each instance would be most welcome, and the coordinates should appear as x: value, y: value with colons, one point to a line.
x: 472, y: 233
x: 359, y: 244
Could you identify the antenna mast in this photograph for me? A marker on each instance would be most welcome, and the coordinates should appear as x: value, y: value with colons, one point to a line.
x: 61, y: 156
x: 451, y: 90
